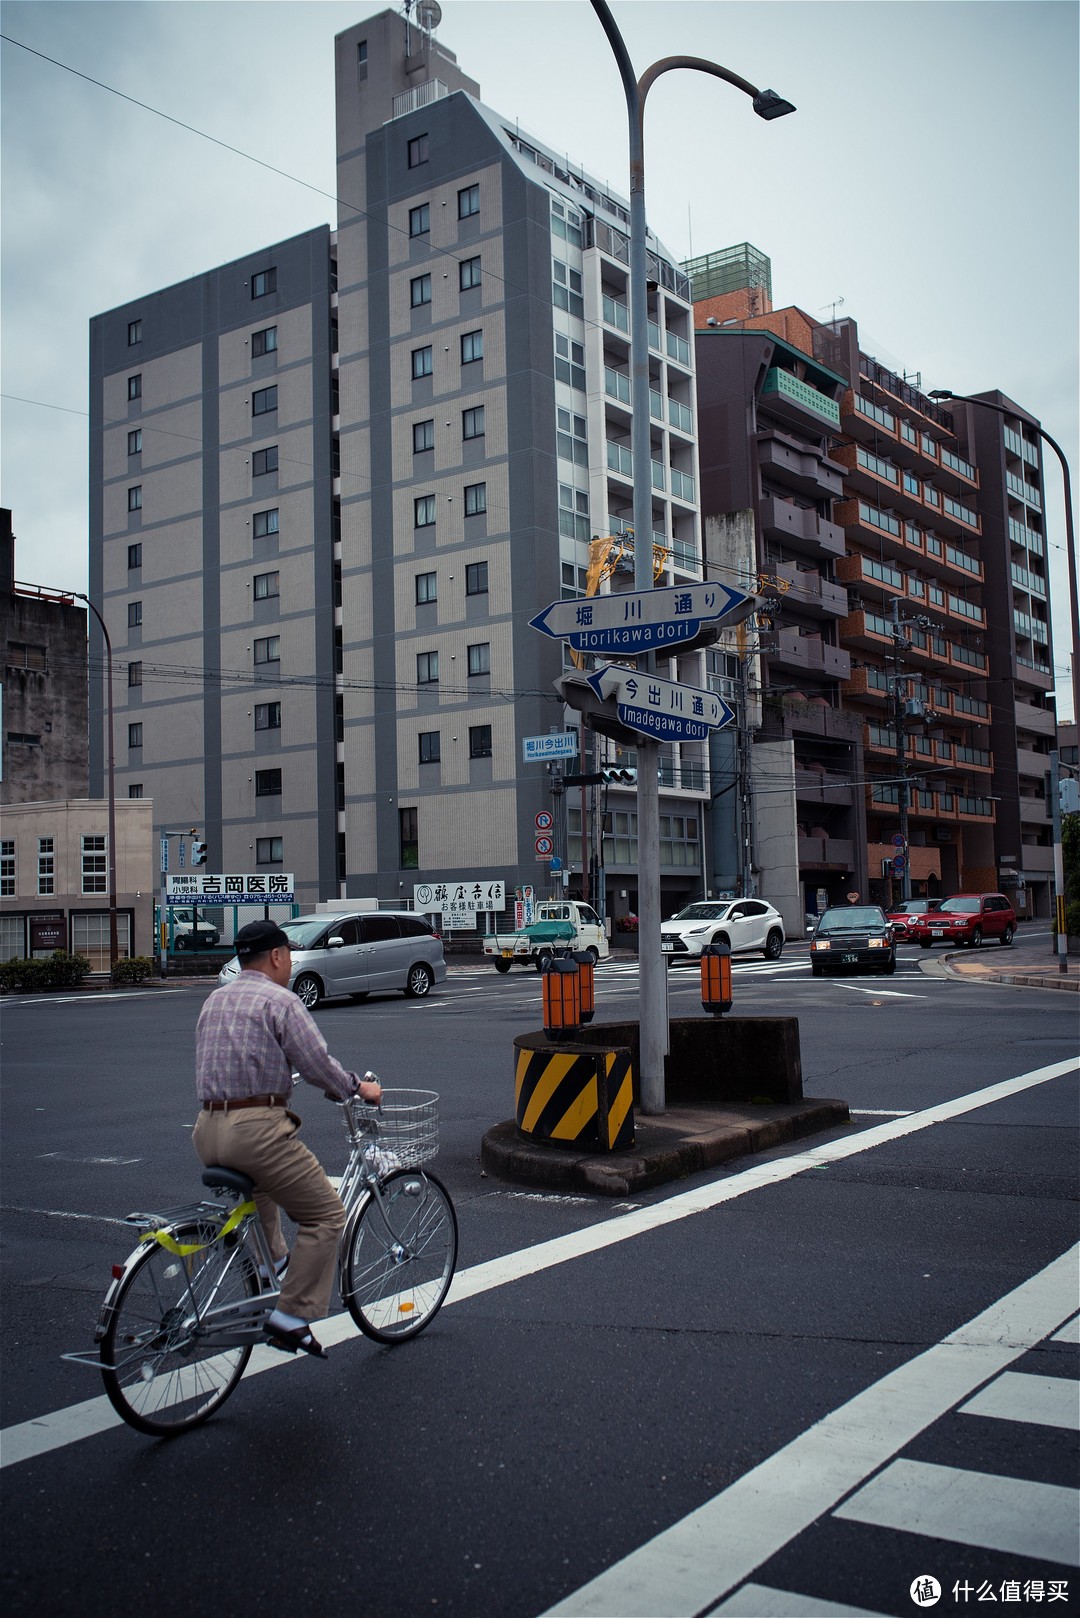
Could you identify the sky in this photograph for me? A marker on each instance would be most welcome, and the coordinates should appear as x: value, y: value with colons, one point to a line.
x: 927, y: 185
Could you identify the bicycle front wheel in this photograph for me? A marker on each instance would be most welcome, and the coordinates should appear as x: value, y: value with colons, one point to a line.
x: 401, y: 1257
x: 157, y: 1373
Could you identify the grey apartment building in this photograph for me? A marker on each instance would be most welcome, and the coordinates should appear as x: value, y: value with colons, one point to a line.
x: 332, y: 481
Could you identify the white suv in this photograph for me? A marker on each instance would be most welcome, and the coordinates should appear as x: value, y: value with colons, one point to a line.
x: 742, y: 924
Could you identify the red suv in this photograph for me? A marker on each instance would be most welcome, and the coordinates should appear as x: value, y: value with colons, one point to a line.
x: 967, y: 918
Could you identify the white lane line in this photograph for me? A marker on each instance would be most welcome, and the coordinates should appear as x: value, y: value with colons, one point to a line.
x: 1045, y: 1401
x: 48, y: 1432
x: 759, y: 1601
x: 881, y: 1112
x: 58, y: 1213
x: 687, y: 1568
x: 891, y: 994
x: 1070, y: 1332
x: 1037, y: 1520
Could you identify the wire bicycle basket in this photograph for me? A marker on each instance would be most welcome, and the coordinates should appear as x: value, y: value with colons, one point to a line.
x: 406, y: 1123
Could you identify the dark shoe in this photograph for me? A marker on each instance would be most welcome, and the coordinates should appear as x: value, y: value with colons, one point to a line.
x: 290, y: 1341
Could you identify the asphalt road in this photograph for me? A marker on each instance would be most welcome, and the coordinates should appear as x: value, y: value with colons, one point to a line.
x: 827, y: 1371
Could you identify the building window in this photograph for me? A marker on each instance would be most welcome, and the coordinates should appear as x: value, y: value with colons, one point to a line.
x: 134, y: 789
x: 408, y: 840
x: 264, y: 460
x: 427, y: 588
x: 262, y: 282
x: 475, y: 499
x: 268, y: 783
x: 134, y: 556
x: 424, y: 511
x: 7, y: 868
x: 420, y: 219
x: 423, y: 436
x: 135, y: 498
x: 268, y: 649
x: 135, y: 735
x: 430, y: 750
x: 46, y: 865
x: 479, y: 741
x: 468, y: 273
x: 418, y: 151
x: 427, y: 668
x: 90, y: 937
x: 263, y: 400
x: 420, y: 290
x: 265, y: 522
x: 134, y: 675
x: 267, y: 585
x: 476, y: 579
x: 263, y: 342
x: 268, y: 716
x: 134, y: 332
x: 21, y: 655
x: 421, y: 363
x: 480, y: 658
x: 135, y: 386
x: 361, y: 53
x: 135, y: 441
x: 472, y: 347
x: 95, y: 874
x: 134, y: 614
x: 269, y: 850
x: 472, y: 422
x: 468, y: 202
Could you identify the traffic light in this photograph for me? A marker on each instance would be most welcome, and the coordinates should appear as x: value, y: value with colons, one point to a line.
x: 198, y: 853
x: 619, y: 777
x: 1068, y: 795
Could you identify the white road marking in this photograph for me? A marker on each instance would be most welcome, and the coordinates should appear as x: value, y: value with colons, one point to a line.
x: 1070, y: 1332
x: 72, y: 1157
x: 880, y: 1112
x: 60, y: 1213
x: 996, y: 1513
x: 1045, y: 1401
x: 36, y: 1437
x: 759, y: 1601
x: 690, y: 1566
x: 891, y: 994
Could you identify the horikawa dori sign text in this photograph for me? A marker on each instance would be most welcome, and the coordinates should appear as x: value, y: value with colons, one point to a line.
x: 202, y: 887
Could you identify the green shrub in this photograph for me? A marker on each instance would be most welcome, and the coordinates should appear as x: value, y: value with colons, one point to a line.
x: 1072, y: 919
x: 23, y: 977
x: 135, y: 970
x: 65, y: 971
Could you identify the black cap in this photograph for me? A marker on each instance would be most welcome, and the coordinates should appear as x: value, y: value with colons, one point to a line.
x: 259, y: 937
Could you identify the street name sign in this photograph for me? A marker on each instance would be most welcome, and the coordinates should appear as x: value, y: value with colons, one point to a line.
x: 653, y: 707
x: 632, y: 621
x: 560, y: 744
x: 207, y: 888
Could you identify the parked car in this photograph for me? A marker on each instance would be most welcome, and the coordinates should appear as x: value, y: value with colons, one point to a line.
x: 852, y: 938
x: 968, y: 918
x: 190, y: 934
x: 744, y: 924
x: 356, y: 953
x: 903, y: 918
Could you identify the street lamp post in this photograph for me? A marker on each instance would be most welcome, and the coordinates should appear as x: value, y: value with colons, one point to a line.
x: 114, y: 946
x: 652, y: 965
x: 1074, y: 616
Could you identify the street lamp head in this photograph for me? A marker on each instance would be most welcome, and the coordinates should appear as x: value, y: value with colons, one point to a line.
x: 942, y: 393
x: 769, y: 105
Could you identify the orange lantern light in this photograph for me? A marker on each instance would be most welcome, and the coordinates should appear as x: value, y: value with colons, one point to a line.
x: 586, y: 984
x: 716, y: 978
x: 562, y: 998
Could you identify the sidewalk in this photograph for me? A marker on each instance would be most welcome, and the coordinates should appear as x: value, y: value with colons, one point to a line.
x: 1028, y: 963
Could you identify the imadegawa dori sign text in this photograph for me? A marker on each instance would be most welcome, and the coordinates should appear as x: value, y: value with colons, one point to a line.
x: 659, y: 708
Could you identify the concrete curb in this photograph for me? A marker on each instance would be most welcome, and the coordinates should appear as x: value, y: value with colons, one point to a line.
x: 682, y: 1141
x: 1024, y: 978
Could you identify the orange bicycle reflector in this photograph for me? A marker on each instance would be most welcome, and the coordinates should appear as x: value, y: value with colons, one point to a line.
x: 716, y: 978
x: 406, y: 1308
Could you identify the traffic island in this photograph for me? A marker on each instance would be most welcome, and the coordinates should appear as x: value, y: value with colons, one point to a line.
x: 733, y: 1087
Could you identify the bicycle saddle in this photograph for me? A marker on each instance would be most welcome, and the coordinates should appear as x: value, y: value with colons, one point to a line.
x: 221, y: 1179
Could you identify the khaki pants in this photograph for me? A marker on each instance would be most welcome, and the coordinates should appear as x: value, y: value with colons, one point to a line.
x: 260, y: 1142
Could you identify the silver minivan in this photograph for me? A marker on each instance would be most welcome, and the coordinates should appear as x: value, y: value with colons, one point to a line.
x: 356, y: 953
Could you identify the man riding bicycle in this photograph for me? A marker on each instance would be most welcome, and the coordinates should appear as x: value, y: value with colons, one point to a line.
x: 251, y: 1036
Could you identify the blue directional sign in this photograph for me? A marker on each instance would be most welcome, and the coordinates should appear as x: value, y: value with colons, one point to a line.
x: 631, y: 621
x: 671, y: 713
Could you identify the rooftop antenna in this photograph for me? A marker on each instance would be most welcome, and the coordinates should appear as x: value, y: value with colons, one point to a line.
x: 836, y: 304
x: 428, y: 14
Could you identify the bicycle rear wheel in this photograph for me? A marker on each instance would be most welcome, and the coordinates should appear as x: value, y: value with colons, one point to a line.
x: 394, y: 1282
x: 157, y: 1374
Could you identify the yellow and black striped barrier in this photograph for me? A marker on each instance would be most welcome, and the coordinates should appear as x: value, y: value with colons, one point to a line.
x: 573, y: 1095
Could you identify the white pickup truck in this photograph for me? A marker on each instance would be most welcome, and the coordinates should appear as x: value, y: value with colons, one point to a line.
x: 559, y: 924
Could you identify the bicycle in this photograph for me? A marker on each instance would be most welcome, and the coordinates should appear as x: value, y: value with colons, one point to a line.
x: 184, y: 1311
